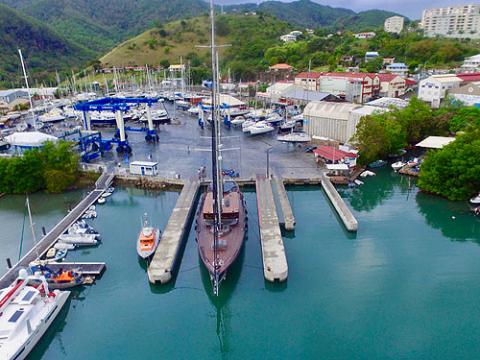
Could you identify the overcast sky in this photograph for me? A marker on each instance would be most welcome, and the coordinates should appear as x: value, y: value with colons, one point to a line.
x: 411, y: 8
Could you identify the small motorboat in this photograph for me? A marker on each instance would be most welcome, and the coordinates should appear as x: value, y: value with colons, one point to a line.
x: 89, y: 214
x: 57, y: 280
x: 106, y: 194
x: 377, y: 164
x: 475, y: 200
x: 398, y: 165
x: 79, y: 239
x: 358, y: 182
x: 64, y: 246
x: 51, y: 253
x: 148, y: 239
x: 367, y: 173
x: 111, y: 189
x: 81, y: 227
x: 101, y: 200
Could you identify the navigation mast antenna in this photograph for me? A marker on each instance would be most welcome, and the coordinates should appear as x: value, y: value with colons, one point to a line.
x: 26, y: 85
x: 216, y: 173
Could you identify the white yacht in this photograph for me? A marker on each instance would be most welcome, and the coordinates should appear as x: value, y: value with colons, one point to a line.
x: 26, y: 312
x: 260, y: 127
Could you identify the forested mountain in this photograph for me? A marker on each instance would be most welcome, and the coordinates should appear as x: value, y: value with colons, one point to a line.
x: 100, y: 24
x: 44, y: 50
x: 304, y: 13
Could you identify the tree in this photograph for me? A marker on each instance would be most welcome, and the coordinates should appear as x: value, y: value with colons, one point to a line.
x: 454, y: 171
x: 464, y: 118
x: 377, y: 136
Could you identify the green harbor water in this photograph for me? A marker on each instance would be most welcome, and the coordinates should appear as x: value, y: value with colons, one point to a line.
x: 407, y: 286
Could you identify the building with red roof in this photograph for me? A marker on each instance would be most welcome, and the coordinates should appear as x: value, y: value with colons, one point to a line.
x: 332, y: 155
x: 469, y: 77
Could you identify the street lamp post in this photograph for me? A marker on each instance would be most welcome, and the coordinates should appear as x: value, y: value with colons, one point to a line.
x: 268, y: 161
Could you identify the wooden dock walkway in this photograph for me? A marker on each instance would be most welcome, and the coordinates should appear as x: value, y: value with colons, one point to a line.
x: 51, y: 237
x: 342, y: 209
x: 275, y: 267
x: 165, y: 257
x: 284, y: 210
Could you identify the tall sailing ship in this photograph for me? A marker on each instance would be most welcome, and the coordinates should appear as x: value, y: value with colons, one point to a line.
x: 221, y: 219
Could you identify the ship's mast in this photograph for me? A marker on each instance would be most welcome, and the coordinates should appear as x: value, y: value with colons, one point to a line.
x: 216, y: 157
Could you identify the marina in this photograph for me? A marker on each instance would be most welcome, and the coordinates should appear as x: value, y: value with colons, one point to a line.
x: 283, y: 198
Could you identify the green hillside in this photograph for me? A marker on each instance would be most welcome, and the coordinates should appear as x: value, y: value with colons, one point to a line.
x: 44, y: 50
x: 365, y: 20
x: 304, y: 13
x: 248, y: 35
x: 99, y: 24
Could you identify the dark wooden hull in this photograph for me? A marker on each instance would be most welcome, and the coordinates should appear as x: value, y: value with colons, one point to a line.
x: 234, y: 240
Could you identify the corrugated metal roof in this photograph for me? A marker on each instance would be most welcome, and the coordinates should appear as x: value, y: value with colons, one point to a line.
x: 298, y: 93
x: 435, y: 142
x: 330, y: 110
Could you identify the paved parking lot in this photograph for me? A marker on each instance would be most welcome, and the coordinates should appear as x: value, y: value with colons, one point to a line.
x: 184, y: 147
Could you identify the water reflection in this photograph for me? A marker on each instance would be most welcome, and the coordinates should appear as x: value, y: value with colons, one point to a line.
x: 220, y: 303
x: 453, y: 219
x: 377, y: 189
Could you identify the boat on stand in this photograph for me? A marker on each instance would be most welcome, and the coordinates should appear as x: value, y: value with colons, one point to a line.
x: 222, y: 218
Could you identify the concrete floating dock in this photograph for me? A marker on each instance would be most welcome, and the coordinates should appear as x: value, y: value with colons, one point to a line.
x: 275, y: 267
x: 163, y: 262
x: 342, y: 209
x: 284, y: 210
x: 48, y: 240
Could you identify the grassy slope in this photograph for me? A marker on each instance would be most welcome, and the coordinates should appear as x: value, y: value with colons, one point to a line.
x: 238, y: 30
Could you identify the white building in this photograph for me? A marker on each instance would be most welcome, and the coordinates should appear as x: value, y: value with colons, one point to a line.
x: 469, y: 94
x: 471, y: 64
x: 365, y: 35
x: 371, y: 55
x: 288, y: 38
x: 335, y: 121
x: 434, y: 88
x: 144, y: 168
x: 394, y: 24
x: 399, y: 69
x: 460, y: 21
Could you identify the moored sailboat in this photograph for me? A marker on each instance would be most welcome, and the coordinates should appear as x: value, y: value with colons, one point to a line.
x: 221, y: 219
